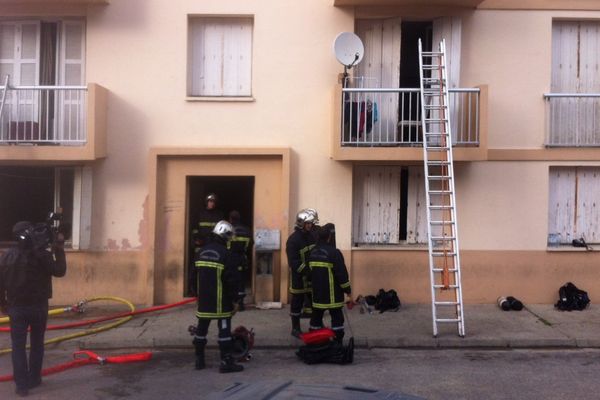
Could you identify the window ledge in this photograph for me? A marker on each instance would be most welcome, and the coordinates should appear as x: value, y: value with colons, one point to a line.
x: 243, y: 99
x: 569, y: 248
x: 392, y: 247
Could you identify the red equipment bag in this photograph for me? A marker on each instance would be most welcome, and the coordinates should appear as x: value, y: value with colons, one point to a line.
x: 318, y: 336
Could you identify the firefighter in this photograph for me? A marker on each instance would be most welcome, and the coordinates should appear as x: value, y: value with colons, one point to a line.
x: 239, y: 245
x: 297, y: 247
x: 209, y: 217
x: 329, y: 278
x: 216, y: 286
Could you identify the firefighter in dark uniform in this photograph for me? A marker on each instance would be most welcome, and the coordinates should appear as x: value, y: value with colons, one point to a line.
x: 207, y: 220
x: 297, y: 247
x: 329, y: 278
x: 239, y: 245
x: 215, y: 282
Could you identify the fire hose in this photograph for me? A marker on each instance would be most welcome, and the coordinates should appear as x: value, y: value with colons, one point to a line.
x: 122, y: 318
x: 85, y: 357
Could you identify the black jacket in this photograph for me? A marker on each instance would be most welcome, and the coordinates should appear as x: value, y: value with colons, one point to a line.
x: 329, y: 277
x: 216, y: 281
x: 239, y: 246
x: 297, y: 248
x: 26, y: 275
x: 206, y: 222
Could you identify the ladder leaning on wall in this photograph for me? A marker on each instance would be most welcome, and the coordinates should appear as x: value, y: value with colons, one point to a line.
x: 444, y: 260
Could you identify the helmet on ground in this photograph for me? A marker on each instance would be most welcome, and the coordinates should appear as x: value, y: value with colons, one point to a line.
x: 224, y: 230
x: 307, y: 215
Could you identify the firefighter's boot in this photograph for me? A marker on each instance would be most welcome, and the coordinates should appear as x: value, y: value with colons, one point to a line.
x: 296, y: 332
x: 227, y: 362
x: 199, y: 345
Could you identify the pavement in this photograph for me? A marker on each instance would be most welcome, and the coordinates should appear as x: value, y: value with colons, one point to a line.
x: 486, y: 327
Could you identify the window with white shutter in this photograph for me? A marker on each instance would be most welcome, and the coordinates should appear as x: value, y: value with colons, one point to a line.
x: 573, y: 209
x: 389, y: 205
x: 220, y: 59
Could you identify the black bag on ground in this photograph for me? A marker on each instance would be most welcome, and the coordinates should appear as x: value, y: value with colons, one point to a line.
x: 331, y: 352
x: 571, y: 298
x: 387, y: 301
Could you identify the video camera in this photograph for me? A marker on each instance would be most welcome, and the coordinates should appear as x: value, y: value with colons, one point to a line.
x: 43, y: 234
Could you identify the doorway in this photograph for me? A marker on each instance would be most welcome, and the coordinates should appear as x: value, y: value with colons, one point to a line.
x: 233, y: 193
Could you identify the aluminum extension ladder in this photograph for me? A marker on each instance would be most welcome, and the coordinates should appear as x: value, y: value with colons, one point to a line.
x: 444, y: 260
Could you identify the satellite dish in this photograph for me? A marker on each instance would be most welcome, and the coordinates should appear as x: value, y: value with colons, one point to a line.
x: 348, y: 49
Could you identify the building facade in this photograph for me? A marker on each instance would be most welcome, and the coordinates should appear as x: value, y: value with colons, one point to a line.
x: 127, y: 113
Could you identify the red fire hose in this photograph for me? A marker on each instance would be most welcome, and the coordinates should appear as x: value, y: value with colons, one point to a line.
x: 86, y: 357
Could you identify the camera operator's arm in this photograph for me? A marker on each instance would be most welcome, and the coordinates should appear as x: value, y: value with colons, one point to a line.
x: 58, y: 267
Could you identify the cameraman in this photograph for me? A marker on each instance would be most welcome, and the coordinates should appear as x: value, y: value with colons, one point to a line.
x: 26, y: 272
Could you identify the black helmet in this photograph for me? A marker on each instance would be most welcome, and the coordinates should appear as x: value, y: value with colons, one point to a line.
x: 22, y: 230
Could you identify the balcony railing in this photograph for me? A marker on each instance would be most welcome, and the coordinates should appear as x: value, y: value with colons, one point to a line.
x: 573, y: 119
x: 43, y: 115
x: 392, y: 117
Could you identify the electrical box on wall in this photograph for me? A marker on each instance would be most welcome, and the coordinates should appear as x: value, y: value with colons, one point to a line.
x: 266, y: 240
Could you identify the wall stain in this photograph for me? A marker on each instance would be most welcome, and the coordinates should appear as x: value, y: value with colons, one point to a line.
x: 125, y: 245
x: 143, y: 226
x: 112, y: 245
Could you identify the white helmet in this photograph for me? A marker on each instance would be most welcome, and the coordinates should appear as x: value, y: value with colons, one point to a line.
x: 224, y: 230
x: 307, y: 215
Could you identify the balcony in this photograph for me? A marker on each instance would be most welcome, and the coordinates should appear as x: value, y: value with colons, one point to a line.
x: 385, y: 124
x: 405, y: 3
x: 48, y: 123
x: 573, y: 119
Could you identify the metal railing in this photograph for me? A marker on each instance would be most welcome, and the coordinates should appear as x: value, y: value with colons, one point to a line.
x: 43, y: 115
x: 392, y: 117
x: 573, y: 119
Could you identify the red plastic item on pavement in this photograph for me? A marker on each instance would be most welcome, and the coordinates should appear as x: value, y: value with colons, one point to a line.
x: 318, y: 336
x: 85, y: 357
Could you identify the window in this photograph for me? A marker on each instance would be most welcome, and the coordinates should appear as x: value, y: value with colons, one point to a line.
x: 573, y: 211
x: 220, y: 56
x: 574, y: 120
x: 42, y: 53
x: 30, y: 193
x: 389, y: 205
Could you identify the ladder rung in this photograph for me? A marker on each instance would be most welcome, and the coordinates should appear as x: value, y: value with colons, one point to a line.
x: 435, y: 121
x: 447, y: 320
x: 437, y: 163
x: 442, y: 222
x: 432, y: 53
x: 438, y: 149
x: 430, y: 67
x: 441, y: 208
x: 437, y: 134
x: 441, y: 269
x: 435, y: 107
x: 446, y: 303
x: 439, y: 178
x: 444, y: 254
x: 445, y: 238
x: 440, y: 192
x: 445, y: 287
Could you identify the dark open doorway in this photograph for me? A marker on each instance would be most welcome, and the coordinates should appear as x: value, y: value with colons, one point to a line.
x: 233, y: 193
x: 412, y: 31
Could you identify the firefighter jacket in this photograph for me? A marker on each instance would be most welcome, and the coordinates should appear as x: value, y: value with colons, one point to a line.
x: 329, y: 277
x: 297, y: 248
x: 206, y: 222
x: 239, y: 246
x: 216, y: 281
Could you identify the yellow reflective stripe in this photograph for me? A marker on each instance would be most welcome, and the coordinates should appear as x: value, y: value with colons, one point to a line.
x: 299, y: 291
x: 345, y: 285
x: 333, y: 305
x: 320, y: 264
x: 301, y: 267
x: 207, y: 224
x: 305, y: 250
x: 209, y: 264
x: 331, y: 292
x: 213, y: 315
x: 219, y: 292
